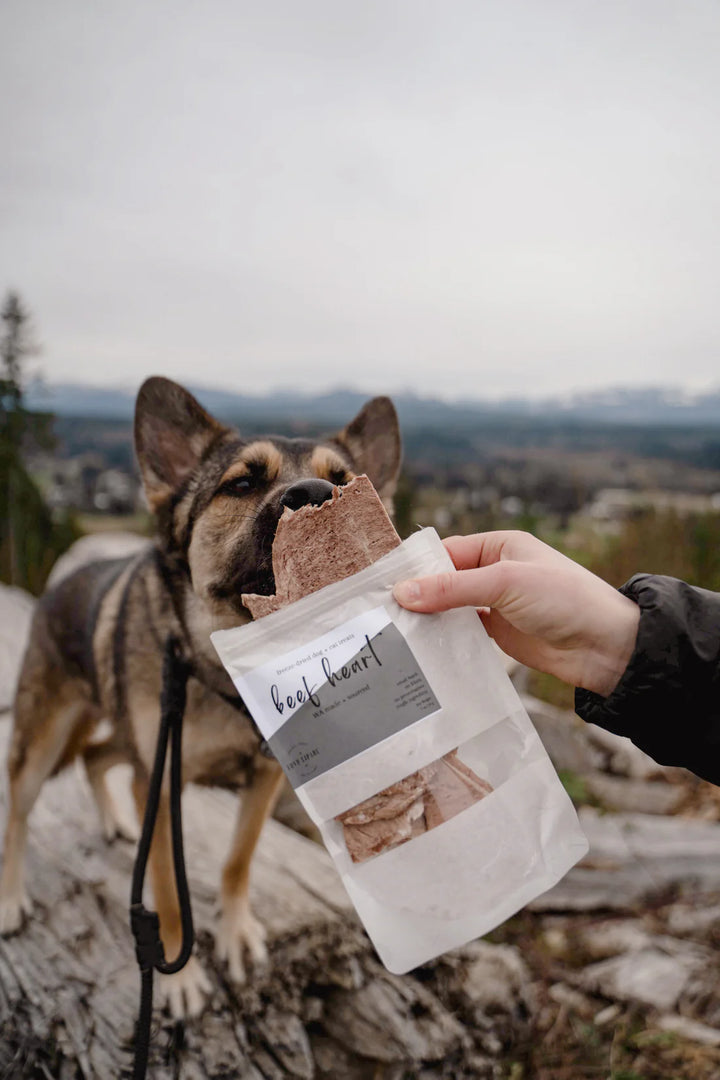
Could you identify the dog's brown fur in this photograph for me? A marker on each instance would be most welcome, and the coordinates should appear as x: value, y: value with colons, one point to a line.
x: 95, y: 650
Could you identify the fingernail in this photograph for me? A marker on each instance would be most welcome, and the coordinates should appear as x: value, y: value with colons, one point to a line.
x: 407, y: 592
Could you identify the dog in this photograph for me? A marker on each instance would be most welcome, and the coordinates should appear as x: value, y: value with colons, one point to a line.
x: 96, y: 646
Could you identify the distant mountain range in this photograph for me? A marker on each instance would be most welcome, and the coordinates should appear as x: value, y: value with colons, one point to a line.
x: 648, y: 405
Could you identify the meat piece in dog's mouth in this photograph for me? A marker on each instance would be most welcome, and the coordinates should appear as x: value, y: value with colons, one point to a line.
x: 319, y: 545
x: 316, y: 546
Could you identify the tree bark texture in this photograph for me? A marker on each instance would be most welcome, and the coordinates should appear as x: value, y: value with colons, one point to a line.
x: 323, y: 1007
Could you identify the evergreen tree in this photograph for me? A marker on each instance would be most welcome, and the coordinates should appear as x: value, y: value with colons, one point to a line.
x: 30, y: 539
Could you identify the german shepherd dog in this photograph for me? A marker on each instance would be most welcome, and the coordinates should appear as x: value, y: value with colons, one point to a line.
x: 96, y: 645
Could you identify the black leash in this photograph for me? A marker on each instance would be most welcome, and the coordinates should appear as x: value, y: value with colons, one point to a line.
x: 146, y: 924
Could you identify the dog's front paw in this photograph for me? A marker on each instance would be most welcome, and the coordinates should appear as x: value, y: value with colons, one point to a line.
x: 120, y: 829
x: 13, y: 909
x: 237, y: 931
x: 184, y: 993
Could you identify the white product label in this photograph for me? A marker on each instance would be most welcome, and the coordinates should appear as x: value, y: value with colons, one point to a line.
x: 338, y: 695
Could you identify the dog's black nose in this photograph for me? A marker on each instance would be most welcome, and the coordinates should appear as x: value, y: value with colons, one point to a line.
x: 306, y: 493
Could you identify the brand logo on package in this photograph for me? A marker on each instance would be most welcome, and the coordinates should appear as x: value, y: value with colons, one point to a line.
x: 338, y: 695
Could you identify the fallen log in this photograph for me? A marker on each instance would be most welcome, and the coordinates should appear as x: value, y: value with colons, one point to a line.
x: 322, y: 1007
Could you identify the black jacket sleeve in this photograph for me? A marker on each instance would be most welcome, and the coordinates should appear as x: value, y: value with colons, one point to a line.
x: 668, y: 699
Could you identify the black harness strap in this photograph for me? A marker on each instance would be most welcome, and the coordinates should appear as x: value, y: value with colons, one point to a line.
x: 146, y: 924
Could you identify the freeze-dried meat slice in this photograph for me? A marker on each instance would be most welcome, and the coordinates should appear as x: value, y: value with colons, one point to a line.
x: 355, y: 529
x: 319, y: 545
x: 388, y: 803
x: 413, y: 805
x: 375, y: 836
x: 455, y: 787
x: 259, y: 605
x: 474, y: 782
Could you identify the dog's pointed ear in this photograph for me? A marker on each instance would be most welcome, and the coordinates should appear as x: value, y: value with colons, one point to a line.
x: 172, y: 432
x: 372, y: 440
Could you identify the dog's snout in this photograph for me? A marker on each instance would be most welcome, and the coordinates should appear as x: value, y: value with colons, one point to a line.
x: 306, y: 493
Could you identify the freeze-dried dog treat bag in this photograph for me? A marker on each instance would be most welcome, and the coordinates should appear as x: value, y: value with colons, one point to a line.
x: 408, y: 746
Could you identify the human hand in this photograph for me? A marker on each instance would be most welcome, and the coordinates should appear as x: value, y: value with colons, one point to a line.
x: 541, y: 608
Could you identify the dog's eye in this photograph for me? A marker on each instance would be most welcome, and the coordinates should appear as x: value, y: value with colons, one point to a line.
x: 240, y: 485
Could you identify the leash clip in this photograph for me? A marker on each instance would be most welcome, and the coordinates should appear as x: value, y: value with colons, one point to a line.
x: 145, y: 926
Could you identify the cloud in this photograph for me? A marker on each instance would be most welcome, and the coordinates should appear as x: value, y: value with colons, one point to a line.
x: 495, y: 196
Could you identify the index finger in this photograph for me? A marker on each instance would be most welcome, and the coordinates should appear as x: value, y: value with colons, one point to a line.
x: 484, y: 549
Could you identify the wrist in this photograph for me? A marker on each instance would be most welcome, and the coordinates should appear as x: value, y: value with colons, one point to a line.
x: 608, y: 657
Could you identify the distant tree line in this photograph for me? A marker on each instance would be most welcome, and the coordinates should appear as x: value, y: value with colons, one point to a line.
x: 686, y: 546
x: 31, y: 537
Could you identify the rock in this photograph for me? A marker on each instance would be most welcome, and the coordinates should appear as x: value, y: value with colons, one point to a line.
x: 621, y: 756
x: 489, y: 988
x: 689, y: 1029
x: 675, y: 849
x: 691, y: 921
x: 16, y: 611
x: 564, y: 737
x: 638, y: 966
x: 610, y: 937
x: 102, y: 545
x: 284, y: 1031
x: 648, y: 976
x: 634, y: 857
x: 700, y: 995
x: 390, y: 1020
x: 606, y: 1016
x: 642, y: 796
x: 570, y: 998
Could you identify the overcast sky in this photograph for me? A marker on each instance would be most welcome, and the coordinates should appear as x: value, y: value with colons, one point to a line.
x: 460, y: 197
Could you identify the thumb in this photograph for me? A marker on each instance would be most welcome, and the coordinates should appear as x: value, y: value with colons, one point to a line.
x: 480, y: 587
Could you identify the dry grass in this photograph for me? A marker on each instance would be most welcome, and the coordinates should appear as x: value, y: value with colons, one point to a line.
x: 571, y: 1047
x: 584, y: 1037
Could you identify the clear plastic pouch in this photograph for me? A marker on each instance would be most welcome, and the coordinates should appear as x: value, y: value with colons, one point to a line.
x: 408, y: 746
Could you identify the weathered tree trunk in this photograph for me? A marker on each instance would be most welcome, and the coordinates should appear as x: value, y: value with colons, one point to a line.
x: 323, y: 1007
